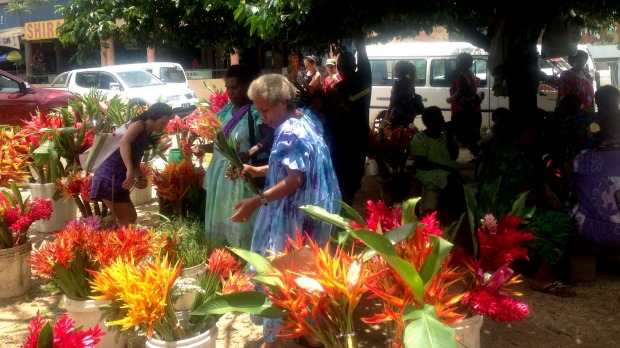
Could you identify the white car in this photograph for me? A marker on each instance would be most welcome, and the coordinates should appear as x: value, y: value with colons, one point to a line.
x: 133, y: 85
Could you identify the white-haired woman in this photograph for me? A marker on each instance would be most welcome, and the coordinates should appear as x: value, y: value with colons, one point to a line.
x: 299, y: 173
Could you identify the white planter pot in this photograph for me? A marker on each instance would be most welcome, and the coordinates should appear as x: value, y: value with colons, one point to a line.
x: 142, y: 196
x: 15, y: 271
x: 468, y: 331
x: 87, y: 314
x: 204, y: 340
x: 63, y: 210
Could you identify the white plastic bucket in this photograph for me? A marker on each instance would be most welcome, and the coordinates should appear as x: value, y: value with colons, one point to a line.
x: 15, y: 271
x: 142, y: 196
x: 468, y: 331
x: 206, y: 339
x: 63, y: 209
x: 87, y: 314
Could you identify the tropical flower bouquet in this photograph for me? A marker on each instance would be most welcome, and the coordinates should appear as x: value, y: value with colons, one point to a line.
x: 142, y: 294
x: 425, y: 287
x: 64, y: 333
x: 77, y: 186
x: 14, y: 157
x: 317, y: 289
x: 217, y: 99
x: 17, y: 214
x: 81, y: 249
x: 389, y: 147
x: 204, y: 123
x: 178, y: 183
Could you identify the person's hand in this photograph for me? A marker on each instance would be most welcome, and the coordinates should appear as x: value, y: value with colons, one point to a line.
x: 253, y: 171
x: 129, y: 180
x: 245, y: 208
x: 141, y: 183
x: 449, y: 100
x: 245, y: 156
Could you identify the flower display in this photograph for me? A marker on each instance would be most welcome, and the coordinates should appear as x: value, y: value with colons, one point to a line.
x: 175, y: 181
x: 217, y: 99
x: 13, y: 156
x: 144, y: 291
x: 63, y: 334
x: 390, y: 148
x: 77, y: 186
x: 80, y: 251
x: 17, y: 214
x: 425, y: 285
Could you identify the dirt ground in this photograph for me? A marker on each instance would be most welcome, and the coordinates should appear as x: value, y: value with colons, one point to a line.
x: 591, y: 319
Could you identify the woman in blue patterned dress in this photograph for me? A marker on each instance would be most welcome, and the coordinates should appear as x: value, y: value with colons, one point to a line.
x: 121, y: 171
x: 299, y: 173
x: 241, y: 123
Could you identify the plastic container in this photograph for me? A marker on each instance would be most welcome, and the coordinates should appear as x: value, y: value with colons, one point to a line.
x: 63, y: 209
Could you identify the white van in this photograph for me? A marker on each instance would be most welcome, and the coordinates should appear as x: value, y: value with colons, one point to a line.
x: 169, y: 72
x: 435, y: 62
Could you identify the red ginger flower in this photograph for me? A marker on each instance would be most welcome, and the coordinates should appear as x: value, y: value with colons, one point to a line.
x: 504, y: 245
x: 64, y: 334
x: 496, y: 306
x: 379, y: 215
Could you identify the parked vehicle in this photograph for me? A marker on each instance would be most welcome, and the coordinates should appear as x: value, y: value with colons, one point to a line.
x: 435, y: 63
x: 133, y: 85
x: 171, y: 73
x: 19, y: 100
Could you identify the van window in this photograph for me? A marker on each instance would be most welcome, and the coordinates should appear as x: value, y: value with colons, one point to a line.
x: 443, y: 70
x: 383, y: 71
x: 171, y: 75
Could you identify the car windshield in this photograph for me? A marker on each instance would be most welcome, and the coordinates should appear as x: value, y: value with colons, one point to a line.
x: 139, y: 78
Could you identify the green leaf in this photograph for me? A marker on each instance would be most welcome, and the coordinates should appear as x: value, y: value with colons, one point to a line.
x: 351, y: 213
x: 46, y: 337
x: 17, y: 195
x: 253, y: 302
x: 408, y: 208
x: 322, y: 214
x: 472, y: 214
x: 434, y: 261
x: 384, y: 247
x: 426, y: 330
x: 451, y: 231
x: 519, y: 204
x: 394, y: 235
x: 258, y: 261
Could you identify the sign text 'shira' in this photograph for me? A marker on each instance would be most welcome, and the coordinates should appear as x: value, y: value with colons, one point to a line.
x: 42, y: 30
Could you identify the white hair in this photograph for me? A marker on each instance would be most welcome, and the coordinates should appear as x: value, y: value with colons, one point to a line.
x: 273, y: 88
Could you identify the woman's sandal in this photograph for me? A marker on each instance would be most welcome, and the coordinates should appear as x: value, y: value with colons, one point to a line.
x: 304, y: 342
x: 555, y: 288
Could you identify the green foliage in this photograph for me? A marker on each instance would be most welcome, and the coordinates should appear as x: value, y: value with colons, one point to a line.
x: 192, y: 247
x: 425, y: 330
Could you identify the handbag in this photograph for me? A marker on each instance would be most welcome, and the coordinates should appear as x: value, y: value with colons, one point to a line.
x: 471, y: 100
x: 104, y: 146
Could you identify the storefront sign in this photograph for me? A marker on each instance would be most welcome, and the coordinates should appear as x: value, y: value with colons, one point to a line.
x: 42, y: 30
x: 198, y: 74
x: 9, y: 41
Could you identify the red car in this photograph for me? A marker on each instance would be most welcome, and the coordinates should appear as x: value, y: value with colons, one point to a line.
x: 19, y: 100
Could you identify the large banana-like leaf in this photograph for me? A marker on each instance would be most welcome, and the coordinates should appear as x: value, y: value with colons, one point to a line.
x: 426, y: 330
x: 253, y: 302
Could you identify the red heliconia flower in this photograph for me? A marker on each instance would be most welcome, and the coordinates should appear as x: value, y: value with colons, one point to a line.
x: 175, y: 125
x: 221, y: 262
x: 431, y: 225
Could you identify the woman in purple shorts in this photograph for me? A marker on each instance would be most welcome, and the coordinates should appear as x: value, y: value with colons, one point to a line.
x: 121, y: 171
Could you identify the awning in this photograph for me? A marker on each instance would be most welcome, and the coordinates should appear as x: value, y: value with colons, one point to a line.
x: 10, y: 37
x: 604, y: 51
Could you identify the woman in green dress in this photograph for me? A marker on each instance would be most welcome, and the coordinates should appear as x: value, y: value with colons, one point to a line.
x: 241, y: 123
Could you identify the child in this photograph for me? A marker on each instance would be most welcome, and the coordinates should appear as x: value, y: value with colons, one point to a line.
x: 434, y: 151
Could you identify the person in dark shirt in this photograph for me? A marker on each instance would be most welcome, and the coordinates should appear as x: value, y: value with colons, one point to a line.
x: 346, y: 127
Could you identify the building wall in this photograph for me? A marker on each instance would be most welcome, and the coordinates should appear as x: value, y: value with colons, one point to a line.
x: 40, y: 13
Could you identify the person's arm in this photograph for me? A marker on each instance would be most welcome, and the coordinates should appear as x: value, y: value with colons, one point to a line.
x: 453, y: 146
x: 388, y: 114
x: 458, y: 92
x: 246, y: 207
x: 422, y: 162
x: 316, y: 80
x: 124, y: 146
x: 363, y: 64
